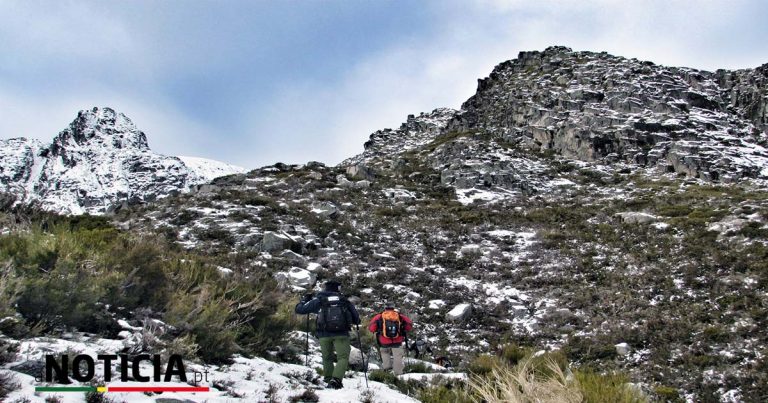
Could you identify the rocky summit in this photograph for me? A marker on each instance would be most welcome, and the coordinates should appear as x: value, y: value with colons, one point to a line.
x: 606, y: 212
x: 594, y: 107
x: 101, y: 161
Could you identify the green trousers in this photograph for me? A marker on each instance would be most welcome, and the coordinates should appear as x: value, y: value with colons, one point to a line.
x: 328, y: 345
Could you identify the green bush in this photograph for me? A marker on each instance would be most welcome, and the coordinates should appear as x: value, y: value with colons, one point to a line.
x: 483, y: 364
x: 378, y: 375
x: 610, y: 388
x: 754, y: 229
x: 418, y: 367
x: 445, y: 393
x: 513, y: 353
x: 84, y: 276
x: 667, y: 394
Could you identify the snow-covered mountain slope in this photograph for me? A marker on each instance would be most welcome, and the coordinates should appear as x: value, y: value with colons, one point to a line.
x: 208, y: 169
x: 99, y: 161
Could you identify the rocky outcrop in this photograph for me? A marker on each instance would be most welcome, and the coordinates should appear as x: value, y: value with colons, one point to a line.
x: 97, y: 163
x: 384, y: 147
x: 598, y: 107
x: 746, y: 91
x: 276, y: 242
x: 590, y: 107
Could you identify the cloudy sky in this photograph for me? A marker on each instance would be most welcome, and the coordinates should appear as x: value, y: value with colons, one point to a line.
x: 257, y: 82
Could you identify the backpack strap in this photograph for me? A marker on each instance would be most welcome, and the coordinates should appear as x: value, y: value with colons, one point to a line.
x: 379, y: 329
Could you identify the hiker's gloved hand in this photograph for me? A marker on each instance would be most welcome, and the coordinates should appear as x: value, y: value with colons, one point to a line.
x: 306, y: 298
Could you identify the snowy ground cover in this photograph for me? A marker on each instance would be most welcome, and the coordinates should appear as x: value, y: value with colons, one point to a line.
x: 245, y: 379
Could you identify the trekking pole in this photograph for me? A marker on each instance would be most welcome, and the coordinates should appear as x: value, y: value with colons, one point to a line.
x: 306, y: 343
x: 362, y: 356
x: 407, y: 348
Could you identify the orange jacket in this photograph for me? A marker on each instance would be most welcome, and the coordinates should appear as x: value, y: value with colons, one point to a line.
x: 376, y: 323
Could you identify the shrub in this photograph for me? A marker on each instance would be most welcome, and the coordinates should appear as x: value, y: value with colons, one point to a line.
x: 83, y: 278
x: 308, y: 396
x: 513, y: 353
x: 608, y: 388
x: 97, y: 397
x: 445, y: 393
x: 8, y: 383
x: 185, y: 217
x: 184, y: 346
x: 667, y: 394
x: 205, y: 315
x: 483, y: 364
x: 8, y: 351
x: 754, y: 229
x: 418, y: 367
x: 382, y: 376
x: 72, y: 298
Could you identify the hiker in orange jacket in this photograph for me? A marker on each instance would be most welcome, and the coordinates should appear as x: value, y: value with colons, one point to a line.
x: 390, y: 328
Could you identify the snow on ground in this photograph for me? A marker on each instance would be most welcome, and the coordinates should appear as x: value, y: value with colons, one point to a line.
x: 244, y: 380
x: 210, y: 169
x: 497, y: 293
x: 429, y: 377
x: 469, y: 196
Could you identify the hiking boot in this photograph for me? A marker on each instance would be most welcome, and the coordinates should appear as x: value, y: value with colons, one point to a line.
x: 335, y: 383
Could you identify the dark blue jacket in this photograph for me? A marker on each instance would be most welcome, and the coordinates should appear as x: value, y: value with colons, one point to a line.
x: 313, y: 306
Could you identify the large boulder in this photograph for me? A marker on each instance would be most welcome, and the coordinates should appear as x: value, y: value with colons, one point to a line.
x: 275, y: 242
x: 637, y: 218
x: 296, y: 278
x: 359, y: 171
x: 519, y: 311
x: 459, y: 313
x: 301, y: 277
x: 623, y: 349
x: 326, y: 209
x: 293, y: 257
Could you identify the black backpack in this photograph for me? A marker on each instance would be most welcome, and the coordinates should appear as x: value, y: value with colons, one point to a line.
x: 333, y: 315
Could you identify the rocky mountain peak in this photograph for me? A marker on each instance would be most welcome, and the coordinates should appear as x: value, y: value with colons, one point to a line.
x: 100, y: 161
x: 597, y: 107
x: 104, y: 127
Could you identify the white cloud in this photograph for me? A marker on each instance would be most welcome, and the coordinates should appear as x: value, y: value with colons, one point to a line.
x: 67, y: 30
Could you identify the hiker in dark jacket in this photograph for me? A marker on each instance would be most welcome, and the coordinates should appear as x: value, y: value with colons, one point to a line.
x: 335, y: 317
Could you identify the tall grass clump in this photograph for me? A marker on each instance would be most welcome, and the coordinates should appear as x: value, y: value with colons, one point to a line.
x: 525, y: 382
x: 546, y: 378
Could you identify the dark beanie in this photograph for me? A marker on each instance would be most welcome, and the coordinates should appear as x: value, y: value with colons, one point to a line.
x: 332, y: 285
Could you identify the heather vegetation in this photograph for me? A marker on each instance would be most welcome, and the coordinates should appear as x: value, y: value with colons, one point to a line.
x: 682, y: 289
x: 83, y: 274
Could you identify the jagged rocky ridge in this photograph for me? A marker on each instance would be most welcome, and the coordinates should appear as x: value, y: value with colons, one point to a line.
x: 592, y: 107
x: 99, y: 162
